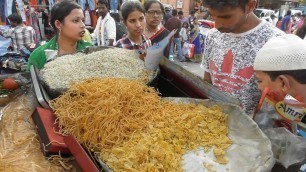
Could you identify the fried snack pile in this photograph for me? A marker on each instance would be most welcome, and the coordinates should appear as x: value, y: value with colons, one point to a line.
x: 113, y: 62
x: 134, y: 129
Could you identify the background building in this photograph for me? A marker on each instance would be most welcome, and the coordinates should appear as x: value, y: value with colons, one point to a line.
x: 185, y: 5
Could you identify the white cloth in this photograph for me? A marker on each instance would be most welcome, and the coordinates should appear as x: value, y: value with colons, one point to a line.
x: 105, y: 30
x: 229, y: 59
x: 183, y: 33
x: 282, y: 53
x: 87, y: 18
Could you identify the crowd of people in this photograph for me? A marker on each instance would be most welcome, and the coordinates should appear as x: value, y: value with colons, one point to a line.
x: 291, y: 24
x: 114, y: 29
x: 229, y: 51
x: 242, y: 56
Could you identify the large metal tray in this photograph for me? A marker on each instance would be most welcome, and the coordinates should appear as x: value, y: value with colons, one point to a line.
x: 251, y: 150
x: 52, y: 93
x: 42, y: 96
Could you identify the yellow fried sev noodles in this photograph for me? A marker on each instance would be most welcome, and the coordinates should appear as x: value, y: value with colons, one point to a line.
x: 104, y: 112
x: 134, y: 129
x: 161, y: 148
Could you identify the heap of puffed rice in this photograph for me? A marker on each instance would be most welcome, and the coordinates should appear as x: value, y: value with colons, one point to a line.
x: 113, y: 62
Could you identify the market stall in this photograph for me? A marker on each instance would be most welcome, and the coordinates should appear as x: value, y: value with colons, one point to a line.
x: 168, y: 132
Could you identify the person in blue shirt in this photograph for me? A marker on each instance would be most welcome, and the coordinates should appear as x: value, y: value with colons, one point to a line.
x: 286, y: 22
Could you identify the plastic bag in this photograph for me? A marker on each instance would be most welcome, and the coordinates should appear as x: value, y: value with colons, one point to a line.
x: 20, y: 147
x: 279, y: 116
x: 188, y: 50
x: 279, y: 110
x: 287, y: 148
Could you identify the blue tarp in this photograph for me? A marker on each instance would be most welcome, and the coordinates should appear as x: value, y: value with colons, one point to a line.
x: 4, y: 44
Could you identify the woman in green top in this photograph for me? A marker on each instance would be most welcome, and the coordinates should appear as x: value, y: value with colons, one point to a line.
x: 67, y: 20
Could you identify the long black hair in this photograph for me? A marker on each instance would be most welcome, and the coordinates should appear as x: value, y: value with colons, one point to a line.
x: 130, y: 6
x: 61, y: 10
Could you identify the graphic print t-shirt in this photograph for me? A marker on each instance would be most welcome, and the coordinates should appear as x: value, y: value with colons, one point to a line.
x: 229, y: 59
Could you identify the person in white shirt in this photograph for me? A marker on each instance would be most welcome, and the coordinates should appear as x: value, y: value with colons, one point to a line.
x: 184, y: 32
x: 105, y: 31
x: 274, y: 20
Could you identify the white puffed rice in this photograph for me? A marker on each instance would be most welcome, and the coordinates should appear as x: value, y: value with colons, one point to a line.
x: 113, y: 62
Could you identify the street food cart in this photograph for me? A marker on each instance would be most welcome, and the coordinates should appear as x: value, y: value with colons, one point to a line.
x: 250, y: 151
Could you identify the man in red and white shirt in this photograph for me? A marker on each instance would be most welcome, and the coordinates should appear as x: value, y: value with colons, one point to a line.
x: 231, y: 47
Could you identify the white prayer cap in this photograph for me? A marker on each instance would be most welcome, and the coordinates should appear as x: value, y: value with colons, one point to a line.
x: 287, y: 52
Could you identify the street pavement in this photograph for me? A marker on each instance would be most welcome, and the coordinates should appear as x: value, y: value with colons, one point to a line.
x: 191, y: 67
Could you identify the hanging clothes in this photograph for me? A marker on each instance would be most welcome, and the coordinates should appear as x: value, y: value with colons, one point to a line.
x: 39, y: 2
x: 33, y: 3
x: 2, y: 12
x: 47, y: 4
x: 87, y: 17
x: 35, y: 25
x: 82, y: 4
x: 51, y: 3
x: 92, y: 4
x: 20, y: 9
x: 113, y: 6
x: 27, y: 12
x: 94, y: 18
x: 9, y: 7
x: 14, y: 7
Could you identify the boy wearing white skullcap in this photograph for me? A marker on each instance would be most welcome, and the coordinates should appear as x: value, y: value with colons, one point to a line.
x: 281, y: 65
x: 280, y: 68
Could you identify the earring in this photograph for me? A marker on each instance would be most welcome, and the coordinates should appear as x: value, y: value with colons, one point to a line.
x: 60, y: 30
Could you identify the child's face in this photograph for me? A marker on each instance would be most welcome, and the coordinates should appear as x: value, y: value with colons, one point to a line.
x: 185, y: 25
x: 264, y: 81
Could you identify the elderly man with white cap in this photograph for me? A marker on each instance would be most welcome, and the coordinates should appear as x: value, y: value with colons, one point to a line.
x: 280, y: 65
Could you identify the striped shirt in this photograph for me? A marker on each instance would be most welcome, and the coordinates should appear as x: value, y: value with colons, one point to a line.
x: 22, y: 36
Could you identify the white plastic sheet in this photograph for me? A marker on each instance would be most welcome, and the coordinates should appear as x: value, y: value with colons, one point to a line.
x: 251, y: 150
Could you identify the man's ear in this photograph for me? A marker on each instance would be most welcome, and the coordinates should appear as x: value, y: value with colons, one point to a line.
x: 285, y: 83
x: 251, y: 5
